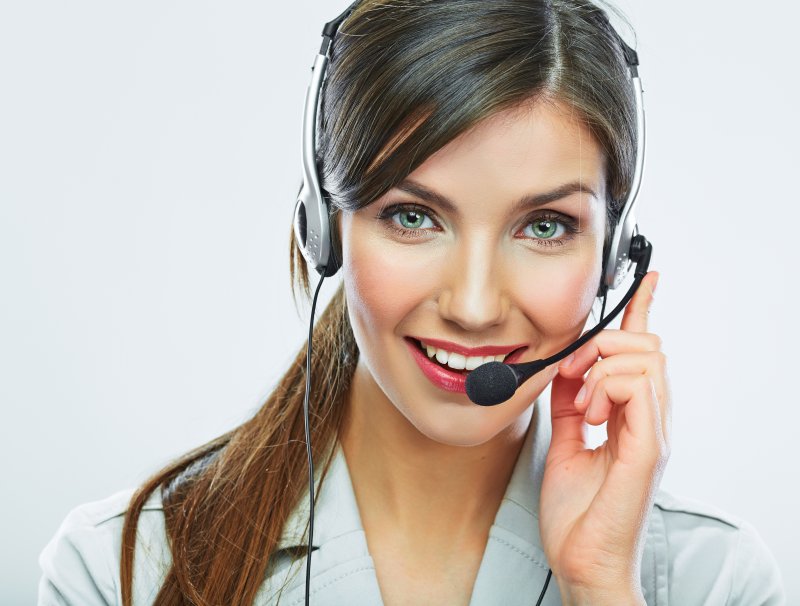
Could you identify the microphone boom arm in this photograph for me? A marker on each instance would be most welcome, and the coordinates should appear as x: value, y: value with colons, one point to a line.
x: 495, y: 382
x: 641, y: 251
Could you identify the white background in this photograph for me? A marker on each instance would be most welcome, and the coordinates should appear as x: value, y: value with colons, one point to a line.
x: 149, y: 158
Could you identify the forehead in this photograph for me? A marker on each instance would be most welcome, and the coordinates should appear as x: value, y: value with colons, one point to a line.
x: 534, y: 147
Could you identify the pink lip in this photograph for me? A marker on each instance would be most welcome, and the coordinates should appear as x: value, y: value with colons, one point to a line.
x: 486, y: 350
x: 450, y: 380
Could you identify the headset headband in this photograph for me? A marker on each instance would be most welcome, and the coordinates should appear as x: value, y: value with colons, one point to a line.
x: 311, y: 218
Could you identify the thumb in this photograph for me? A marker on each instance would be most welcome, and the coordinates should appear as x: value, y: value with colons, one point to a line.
x: 569, y: 427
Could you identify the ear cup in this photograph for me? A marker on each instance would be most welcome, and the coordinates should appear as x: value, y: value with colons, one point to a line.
x: 334, y: 263
x: 601, y: 290
x: 602, y: 287
x: 311, y: 248
x: 334, y: 260
x: 333, y: 266
x: 617, y: 260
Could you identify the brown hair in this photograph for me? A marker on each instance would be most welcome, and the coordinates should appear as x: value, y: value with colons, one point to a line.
x: 405, y: 78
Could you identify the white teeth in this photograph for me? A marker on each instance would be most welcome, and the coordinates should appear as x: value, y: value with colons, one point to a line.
x: 458, y: 361
x: 473, y: 362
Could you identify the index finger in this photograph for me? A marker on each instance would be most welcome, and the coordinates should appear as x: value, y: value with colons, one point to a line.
x: 634, y: 318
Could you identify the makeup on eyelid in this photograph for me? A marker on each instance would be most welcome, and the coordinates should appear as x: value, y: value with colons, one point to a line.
x: 569, y: 224
x: 469, y: 273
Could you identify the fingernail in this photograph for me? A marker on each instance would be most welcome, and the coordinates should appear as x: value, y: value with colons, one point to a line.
x: 568, y: 360
x: 581, y: 395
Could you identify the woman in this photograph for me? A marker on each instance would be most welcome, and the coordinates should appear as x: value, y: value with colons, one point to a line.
x: 438, y: 120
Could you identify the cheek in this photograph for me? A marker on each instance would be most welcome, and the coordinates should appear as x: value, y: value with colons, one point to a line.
x: 566, y: 292
x: 557, y: 295
x: 382, y: 287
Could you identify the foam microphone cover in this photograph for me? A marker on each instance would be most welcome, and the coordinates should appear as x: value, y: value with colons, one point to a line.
x: 492, y: 383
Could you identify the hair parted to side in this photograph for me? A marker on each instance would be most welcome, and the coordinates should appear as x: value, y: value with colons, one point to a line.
x: 405, y: 78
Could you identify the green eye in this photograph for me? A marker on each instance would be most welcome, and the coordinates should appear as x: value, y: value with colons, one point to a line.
x: 412, y: 219
x: 542, y: 228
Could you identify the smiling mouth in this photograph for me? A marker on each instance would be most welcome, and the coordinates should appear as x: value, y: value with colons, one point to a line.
x: 458, y: 363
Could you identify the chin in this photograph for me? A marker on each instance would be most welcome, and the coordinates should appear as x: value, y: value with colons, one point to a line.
x: 455, y: 425
x: 449, y: 436
x: 455, y: 421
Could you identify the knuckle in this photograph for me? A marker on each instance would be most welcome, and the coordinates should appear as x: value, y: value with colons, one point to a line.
x: 596, y: 387
x: 655, y: 341
x: 596, y: 373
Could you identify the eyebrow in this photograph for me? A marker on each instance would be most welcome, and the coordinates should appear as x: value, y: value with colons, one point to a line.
x: 527, y: 201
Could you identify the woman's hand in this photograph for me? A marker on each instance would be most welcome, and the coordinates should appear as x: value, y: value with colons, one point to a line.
x: 595, y: 504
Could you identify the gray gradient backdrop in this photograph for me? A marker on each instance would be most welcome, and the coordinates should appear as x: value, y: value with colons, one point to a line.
x: 148, y: 166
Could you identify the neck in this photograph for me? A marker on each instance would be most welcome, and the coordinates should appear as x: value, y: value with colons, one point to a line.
x: 416, y: 486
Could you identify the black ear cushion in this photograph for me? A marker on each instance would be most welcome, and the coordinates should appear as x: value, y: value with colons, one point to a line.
x: 602, y: 289
x: 334, y: 262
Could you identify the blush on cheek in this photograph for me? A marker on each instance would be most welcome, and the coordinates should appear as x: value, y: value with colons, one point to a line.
x: 384, y: 287
x: 559, y: 296
x: 386, y: 282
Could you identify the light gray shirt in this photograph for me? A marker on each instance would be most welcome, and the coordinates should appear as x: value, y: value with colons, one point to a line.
x: 695, y: 554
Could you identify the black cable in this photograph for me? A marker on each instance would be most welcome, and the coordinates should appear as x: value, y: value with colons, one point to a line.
x: 639, y: 275
x: 546, y: 583
x: 549, y: 571
x: 308, y: 445
x: 603, y: 309
x: 641, y: 251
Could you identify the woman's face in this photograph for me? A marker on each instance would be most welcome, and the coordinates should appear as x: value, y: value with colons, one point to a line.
x: 495, y: 240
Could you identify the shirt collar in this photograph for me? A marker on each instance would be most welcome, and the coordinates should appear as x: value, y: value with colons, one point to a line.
x: 336, y: 510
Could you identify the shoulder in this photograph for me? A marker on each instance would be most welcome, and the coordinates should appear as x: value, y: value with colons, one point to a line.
x: 80, y: 563
x: 703, y: 552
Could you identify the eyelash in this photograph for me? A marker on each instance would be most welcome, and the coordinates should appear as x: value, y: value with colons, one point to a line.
x: 569, y: 224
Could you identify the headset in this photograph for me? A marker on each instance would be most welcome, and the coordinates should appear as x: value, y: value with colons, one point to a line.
x: 493, y: 382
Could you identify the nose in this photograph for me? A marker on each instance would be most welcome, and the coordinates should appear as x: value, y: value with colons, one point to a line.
x: 473, y: 295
